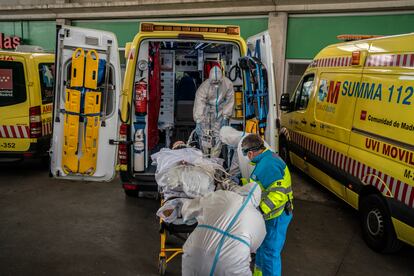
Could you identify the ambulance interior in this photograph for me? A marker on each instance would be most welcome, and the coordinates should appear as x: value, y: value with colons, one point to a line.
x: 183, y: 66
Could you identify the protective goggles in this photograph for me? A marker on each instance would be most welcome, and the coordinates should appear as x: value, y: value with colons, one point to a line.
x: 246, y: 150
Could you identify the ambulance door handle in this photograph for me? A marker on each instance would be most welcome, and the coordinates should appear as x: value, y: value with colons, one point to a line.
x: 115, y: 142
x: 304, y: 121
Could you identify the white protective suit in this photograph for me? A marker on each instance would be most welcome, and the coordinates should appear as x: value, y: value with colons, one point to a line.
x: 213, y: 106
x: 240, y: 165
x: 229, y: 229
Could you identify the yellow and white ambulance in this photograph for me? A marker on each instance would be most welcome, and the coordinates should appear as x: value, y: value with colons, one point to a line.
x: 350, y: 125
x: 96, y: 119
x: 26, y: 96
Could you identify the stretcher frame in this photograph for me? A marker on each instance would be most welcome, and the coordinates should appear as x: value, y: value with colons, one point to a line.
x: 166, y: 254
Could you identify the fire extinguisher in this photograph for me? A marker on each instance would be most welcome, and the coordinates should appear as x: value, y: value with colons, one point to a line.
x: 141, y: 98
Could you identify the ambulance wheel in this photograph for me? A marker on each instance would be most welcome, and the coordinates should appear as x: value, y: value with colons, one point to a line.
x: 377, y: 228
x: 284, y: 151
x: 162, y: 266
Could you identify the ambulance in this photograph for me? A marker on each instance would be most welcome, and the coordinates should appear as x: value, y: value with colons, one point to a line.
x: 26, y: 96
x: 97, y: 117
x: 350, y: 125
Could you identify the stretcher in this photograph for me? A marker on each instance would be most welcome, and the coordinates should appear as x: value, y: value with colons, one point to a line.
x: 167, y: 254
x: 82, y: 114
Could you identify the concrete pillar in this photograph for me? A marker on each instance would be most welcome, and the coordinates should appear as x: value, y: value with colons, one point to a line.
x: 63, y: 21
x: 278, y: 34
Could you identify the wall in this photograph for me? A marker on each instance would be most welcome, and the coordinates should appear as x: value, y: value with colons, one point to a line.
x: 308, y: 35
x: 41, y: 33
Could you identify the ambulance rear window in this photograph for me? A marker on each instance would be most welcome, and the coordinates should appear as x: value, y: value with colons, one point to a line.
x: 46, y: 73
x: 12, y: 83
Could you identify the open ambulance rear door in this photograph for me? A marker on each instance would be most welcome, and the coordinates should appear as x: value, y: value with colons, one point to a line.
x: 87, y: 93
x: 260, y: 46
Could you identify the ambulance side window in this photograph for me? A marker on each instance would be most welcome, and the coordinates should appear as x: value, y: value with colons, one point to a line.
x: 302, y: 94
x: 12, y: 83
x: 46, y: 73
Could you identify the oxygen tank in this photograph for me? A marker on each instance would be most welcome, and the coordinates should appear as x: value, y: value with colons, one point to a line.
x: 139, y: 150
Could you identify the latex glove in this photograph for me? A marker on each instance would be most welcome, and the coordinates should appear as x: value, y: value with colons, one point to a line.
x: 225, y: 121
x: 198, y: 129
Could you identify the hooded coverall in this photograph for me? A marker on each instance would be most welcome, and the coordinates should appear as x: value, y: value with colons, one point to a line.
x: 273, y: 176
x: 213, y: 106
x: 229, y: 229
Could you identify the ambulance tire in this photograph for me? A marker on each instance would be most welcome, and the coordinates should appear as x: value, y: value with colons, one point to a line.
x: 377, y: 228
x: 284, y: 151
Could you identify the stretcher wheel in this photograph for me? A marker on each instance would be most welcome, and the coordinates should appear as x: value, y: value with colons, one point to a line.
x: 162, y: 266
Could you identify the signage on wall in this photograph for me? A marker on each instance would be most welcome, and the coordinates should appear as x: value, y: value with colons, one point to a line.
x: 9, y: 42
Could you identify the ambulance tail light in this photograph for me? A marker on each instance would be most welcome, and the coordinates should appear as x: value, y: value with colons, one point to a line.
x: 123, y: 154
x: 356, y: 58
x: 35, y: 122
x: 130, y: 187
x: 123, y: 147
x: 123, y: 132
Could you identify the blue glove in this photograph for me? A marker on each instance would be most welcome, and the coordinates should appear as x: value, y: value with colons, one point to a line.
x: 198, y: 129
x: 225, y: 122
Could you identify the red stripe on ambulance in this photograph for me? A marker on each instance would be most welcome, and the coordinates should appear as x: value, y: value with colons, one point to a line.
x: 14, y: 132
x: 386, y: 184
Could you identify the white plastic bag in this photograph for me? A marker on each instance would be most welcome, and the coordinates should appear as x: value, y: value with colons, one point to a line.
x: 185, y: 171
x: 170, y: 212
x: 167, y: 158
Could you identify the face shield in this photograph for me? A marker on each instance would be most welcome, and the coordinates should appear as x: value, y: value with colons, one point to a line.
x: 215, y: 76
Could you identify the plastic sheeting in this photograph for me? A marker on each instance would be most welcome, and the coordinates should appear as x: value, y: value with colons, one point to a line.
x: 191, y: 180
x: 170, y: 211
x: 223, y: 210
x: 184, y: 172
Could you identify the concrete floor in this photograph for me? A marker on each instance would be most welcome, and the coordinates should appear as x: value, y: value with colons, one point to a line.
x: 51, y: 227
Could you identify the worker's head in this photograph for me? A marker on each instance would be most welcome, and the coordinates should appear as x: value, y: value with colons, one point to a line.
x: 252, y: 145
x: 215, y: 76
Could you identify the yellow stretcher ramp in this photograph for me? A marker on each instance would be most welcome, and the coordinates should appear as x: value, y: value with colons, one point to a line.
x: 78, y: 68
x: 91, y: 70
x: 252, y: 126
x: 71, y: 126
x: 87, y: 161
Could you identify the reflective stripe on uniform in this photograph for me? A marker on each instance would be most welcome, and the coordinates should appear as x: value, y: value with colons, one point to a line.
x: 268, y: 203
x: 280, y: 189
x: 277, y: 189
x: 273, y: 212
